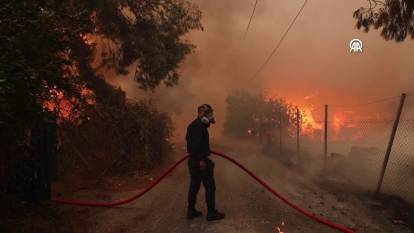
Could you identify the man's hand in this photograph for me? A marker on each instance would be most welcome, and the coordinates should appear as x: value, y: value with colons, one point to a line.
x: 203, y: 165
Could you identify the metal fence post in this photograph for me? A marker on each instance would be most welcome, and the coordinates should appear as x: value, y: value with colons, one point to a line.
x: 280, y: 133
x: 297, y: 131
x: 390, y: 143
x: 326, y: 133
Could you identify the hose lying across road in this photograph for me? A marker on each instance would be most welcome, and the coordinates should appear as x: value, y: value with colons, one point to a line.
x: 166, y: 173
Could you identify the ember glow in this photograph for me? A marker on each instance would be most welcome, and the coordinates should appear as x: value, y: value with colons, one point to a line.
x: 279, y: 229
x: 89, y: 39
x: 250, y: 132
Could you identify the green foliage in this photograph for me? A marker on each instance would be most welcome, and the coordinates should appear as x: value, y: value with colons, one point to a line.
x: 32, y: 61
x: 395, y: 18
x: 45, y: 52
x: 145, y: 133
x: 150, y: 32
x: 252, y: 115
x: 46, y: 58
x: 241, y: 107
x: 116, y: 139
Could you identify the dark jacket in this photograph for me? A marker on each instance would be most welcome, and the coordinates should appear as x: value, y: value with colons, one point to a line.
x: 198, y: 145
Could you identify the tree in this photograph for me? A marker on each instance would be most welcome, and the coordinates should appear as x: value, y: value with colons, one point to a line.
x: 47, y: 51
x: 253, y: 115
x: 395, y: 18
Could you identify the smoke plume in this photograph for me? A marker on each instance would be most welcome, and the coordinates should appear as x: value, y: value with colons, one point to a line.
x: 313, y: 66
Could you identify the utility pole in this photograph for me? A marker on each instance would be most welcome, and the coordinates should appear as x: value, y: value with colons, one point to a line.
x: 390, y: 143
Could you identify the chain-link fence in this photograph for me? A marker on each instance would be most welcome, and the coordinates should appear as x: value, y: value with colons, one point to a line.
x: 349, y: 144
x: 115, y: 140
x: 312, y: 132
x: 399, y: 174
x: 356, y: 152
x: 357, y: 141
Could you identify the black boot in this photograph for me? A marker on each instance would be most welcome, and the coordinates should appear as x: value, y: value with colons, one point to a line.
x: 193, y: 213
x: 214, y: 215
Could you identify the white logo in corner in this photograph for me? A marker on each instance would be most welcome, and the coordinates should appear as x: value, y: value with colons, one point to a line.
x: 355, y: 46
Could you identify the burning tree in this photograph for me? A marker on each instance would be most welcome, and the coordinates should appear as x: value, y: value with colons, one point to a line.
x: 50, y: 64
x: 49, y: 47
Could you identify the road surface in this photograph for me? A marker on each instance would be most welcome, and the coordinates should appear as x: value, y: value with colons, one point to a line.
x: 248, y: 207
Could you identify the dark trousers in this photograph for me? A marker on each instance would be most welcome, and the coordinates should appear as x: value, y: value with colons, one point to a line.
x: 196, y: 178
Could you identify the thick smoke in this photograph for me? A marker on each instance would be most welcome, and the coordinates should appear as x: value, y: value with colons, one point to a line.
x: 312, y: 66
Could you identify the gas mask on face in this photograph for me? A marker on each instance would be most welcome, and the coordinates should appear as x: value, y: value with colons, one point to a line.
x: 208, y: 116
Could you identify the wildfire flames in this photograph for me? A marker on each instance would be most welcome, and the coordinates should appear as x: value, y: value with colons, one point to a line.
x: 309, y: 126
x: 340, y: 125
x: 279, y: 229
x: 343, y: 124
x: 67, y: 107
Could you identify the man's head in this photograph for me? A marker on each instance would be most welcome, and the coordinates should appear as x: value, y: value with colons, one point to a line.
x: 205, y: 113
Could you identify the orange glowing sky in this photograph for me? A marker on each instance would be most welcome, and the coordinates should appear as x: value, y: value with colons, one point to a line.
x: 313, y: 66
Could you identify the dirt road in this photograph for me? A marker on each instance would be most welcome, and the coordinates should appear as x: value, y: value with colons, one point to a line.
x: 248, y: 207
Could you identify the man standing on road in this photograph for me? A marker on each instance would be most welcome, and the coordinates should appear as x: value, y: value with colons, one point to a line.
x: 200, y: 166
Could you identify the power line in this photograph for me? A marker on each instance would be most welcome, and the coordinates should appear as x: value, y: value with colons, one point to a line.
x: 250, y: 20
x: 281, y: 40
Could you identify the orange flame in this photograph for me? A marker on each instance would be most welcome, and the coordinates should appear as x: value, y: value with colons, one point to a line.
x: 279, y: 229
x: 64, y: 106
x: 343, y: 124
x: 309, y: 126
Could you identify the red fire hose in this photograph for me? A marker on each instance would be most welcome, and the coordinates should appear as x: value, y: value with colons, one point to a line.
x: 265, y: 185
